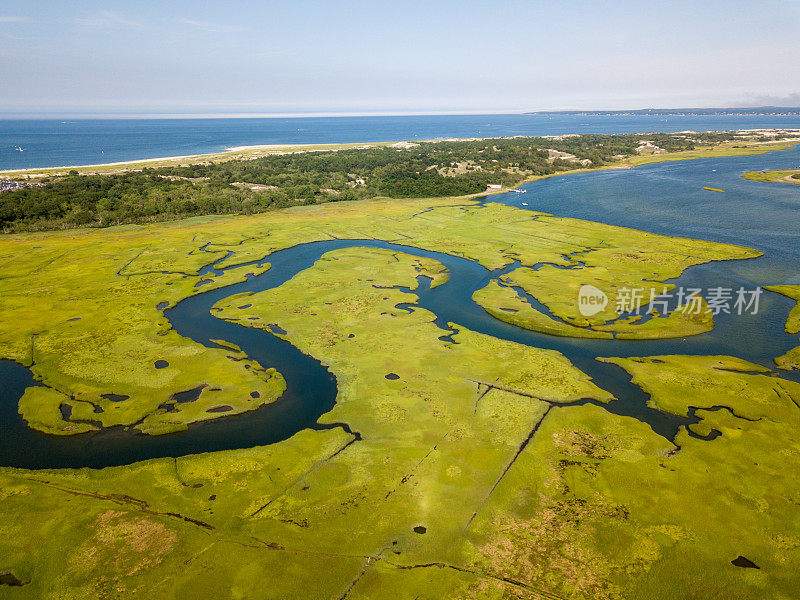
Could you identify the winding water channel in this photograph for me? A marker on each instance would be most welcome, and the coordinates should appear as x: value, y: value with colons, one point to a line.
x: 311, y: 388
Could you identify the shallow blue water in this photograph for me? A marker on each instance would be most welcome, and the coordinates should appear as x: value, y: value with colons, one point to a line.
x: 54, y: 143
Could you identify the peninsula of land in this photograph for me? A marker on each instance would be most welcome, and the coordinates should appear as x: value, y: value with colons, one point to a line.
x: 257, y: 179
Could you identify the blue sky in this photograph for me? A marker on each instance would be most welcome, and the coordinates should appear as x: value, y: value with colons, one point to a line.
x: 400, y: 56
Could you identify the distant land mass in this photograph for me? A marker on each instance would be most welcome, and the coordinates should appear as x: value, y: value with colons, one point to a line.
x: 682, y: 112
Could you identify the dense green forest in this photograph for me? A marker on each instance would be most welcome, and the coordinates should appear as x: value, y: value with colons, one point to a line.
x: 428, y: 169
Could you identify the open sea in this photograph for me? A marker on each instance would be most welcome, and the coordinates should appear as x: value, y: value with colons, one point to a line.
x: 35, y: 143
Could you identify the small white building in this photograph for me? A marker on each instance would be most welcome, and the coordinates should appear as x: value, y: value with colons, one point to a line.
x: 494, y: 186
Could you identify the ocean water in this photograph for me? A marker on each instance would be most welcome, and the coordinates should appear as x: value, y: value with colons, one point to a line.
x: 55, y: 143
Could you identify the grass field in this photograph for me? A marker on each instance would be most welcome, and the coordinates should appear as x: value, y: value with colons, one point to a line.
x: 467, y: 469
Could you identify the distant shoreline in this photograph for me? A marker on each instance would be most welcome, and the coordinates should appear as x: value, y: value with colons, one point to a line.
x: 759, y: 111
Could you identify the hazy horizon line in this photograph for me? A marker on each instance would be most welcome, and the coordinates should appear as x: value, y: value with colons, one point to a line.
x: 243, y: 115
x: 332, y: 114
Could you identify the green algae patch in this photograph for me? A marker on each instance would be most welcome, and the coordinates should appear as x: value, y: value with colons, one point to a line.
x: 676, y: 383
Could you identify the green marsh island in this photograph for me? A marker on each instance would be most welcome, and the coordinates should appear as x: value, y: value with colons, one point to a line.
x: 350, y: 373
x: 780, y: 175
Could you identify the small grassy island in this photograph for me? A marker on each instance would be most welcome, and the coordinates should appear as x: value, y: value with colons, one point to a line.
x: 453, y: 464
x: 780, y: 175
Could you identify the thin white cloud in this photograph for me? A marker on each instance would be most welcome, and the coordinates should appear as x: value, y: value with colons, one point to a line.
x: 108, y: 19
x: 4, y: 19
x: 212, y: 27
x: 761, y: 100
